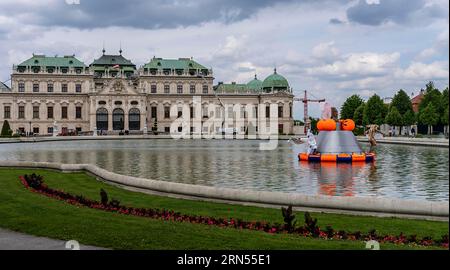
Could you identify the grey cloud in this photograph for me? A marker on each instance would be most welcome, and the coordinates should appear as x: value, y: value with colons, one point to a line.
x: 137, y: 13
x: 336, y: 21
x: 398, y: 11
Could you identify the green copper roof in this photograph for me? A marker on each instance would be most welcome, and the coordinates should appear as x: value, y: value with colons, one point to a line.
x: 56, y: 61
x: 234, y: 88
x: 181, y: 63
x: 255, y: 84
x: 275, y: 81
x: 112, y: 60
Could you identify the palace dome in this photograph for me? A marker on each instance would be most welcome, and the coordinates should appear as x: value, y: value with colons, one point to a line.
x: 275, y: 82
x: 255, y: 84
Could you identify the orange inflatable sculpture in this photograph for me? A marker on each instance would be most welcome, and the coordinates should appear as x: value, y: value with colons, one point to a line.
x: 331, y: 125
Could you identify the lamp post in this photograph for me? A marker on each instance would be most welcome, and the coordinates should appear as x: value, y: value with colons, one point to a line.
x: 220, y: 101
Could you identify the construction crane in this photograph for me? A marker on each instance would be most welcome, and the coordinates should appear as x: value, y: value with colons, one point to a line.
x: 305, y: 101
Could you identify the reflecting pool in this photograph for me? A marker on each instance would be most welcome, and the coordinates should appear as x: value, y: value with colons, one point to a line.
x: 412, y: 172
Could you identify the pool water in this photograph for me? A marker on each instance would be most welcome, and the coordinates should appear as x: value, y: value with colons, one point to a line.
x: 412, y: 172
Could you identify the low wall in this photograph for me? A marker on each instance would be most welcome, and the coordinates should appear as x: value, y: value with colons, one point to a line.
x: 363, y: 204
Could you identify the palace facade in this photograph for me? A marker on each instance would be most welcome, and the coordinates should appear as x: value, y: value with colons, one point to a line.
x: 111, y: 95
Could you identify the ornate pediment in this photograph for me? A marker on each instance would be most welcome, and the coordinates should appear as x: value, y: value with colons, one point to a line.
x: 118, y: 86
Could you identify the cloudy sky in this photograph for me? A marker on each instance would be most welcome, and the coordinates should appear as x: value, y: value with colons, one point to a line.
x: 331, y: 48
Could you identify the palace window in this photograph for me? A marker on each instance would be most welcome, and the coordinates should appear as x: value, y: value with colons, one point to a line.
x: 180, y: 112
x: 21, y: 87
x: 191, y: 112
x: 64, y: 70
x: 290, y: 111
x: 50, y: 87
x: 205, y: 89
x: 35, y: 130
x: 78, y: 88
x: 64, y: 112
x: 166, y: 89
x: 78, y: 112
x: 192, y: 88
x: 50, y: 130
x: 134, y: 103
x: 154, y: 111
x: 35, y: 87
x: 102, y: 102
x: 180, y: 89
x: 153, y: 88
x: 166, y: 112
x: 7, y: 112
x: 35, y: 112
x: 268, y: 111
x: 118, y: 102
x: 21, y: 112
x: 50, y: 112
x: 64, y: 88
x: 280, y: 111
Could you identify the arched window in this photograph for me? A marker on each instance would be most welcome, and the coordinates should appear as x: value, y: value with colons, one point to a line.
x: 102, y: 119
x: 134, y: 119
x: 118, y: 119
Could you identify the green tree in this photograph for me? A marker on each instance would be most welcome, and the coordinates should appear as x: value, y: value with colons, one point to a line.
x: 350, y: 105
x: 375, y: 111
x: 394, y: 118
x: 409, y: 119
x: 444, y: 116
x: 402, y: 102
x: 6, y: 130
x: 435, y: 97
x: 313, y: 122
x: 429, y: 116
x: 359, y: 114
x: 444, y: 120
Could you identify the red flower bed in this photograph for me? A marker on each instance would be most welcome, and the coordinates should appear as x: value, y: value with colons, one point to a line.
x: 309, y: 229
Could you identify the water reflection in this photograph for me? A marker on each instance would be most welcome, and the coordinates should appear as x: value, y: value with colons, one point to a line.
x: 400, y: 171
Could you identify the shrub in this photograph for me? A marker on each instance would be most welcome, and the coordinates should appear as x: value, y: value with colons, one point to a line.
x: 289, y: 218
x: 311, y: 225
x: 103, y: 197
x: 6, y: 130
x: 34, y: 181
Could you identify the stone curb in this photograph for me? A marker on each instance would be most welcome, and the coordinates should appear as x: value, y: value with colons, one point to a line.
x: 363, y: 204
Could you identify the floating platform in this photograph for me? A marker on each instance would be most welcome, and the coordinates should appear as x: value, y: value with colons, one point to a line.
x: 340, y: 158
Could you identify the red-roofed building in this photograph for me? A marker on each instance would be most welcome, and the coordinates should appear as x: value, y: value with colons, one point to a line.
x: 417, y: 100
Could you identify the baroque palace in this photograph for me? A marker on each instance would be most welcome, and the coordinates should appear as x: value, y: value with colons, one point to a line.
x: 63, y: 95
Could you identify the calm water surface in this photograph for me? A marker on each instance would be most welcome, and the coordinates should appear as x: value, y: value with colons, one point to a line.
x: 399, y: 172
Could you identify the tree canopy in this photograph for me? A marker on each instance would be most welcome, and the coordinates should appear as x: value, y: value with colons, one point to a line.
x: 394, y: 118
x: 402, y: 102
x: 350, y: 105
x: 429, y: 115
x: 375, y: 111
x: 359, y: 114
x: 409, y: 118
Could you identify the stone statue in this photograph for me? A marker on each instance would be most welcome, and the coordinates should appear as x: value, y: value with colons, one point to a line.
x: 55, y: 129
x: 371, y: 131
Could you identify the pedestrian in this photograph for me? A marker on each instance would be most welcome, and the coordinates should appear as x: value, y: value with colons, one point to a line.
x: 413, y: 132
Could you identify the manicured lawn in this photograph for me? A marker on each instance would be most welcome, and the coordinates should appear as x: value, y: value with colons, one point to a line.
x: 24, y: 211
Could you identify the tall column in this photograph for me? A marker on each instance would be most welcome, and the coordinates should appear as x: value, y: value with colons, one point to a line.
x: 126, y: 125
x: 110, y: 120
